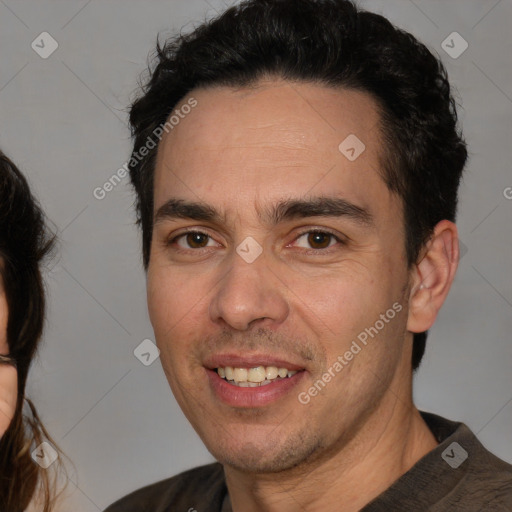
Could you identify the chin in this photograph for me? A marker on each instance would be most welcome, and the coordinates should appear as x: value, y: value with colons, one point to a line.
x: 268, y: 456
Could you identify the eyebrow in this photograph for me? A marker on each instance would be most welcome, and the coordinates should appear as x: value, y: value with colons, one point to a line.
x: 286, y: 210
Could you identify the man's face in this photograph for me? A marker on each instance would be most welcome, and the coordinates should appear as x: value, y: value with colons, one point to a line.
x: 294, y: 295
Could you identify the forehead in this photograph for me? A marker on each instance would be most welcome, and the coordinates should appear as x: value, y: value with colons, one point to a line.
x: 272, y: 137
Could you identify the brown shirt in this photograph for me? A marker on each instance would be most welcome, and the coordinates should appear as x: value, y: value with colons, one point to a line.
x: 458, y: 475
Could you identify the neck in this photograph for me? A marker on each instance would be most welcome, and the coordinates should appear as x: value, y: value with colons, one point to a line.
x: 390, y: 442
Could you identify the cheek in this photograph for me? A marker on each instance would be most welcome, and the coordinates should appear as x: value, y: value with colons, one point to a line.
x: 340, y: 304
x: 4, y: 348
x: 166, y: 294
x: 174, y: 305
x: 159, y: 301
x: 335, y: 299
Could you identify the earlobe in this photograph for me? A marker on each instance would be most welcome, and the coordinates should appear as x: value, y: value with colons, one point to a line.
x: 432, y: 276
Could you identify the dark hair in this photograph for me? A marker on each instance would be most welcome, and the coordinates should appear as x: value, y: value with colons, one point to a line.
x: 24, y: 242
x: 332, y: 43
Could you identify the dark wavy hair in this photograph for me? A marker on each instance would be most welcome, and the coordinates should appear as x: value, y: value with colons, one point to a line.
x: 24, y: 243
x: 331, y: 43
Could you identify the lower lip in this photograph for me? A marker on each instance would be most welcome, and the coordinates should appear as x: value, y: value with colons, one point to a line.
x: 252, y: 397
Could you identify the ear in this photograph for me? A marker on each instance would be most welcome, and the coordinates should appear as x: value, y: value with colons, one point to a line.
x: 432, y: 276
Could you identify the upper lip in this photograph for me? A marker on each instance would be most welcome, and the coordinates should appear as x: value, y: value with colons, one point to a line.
x: 249, y: 361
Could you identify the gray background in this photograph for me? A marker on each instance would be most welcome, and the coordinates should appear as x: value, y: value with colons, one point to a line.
x: 63, y: 121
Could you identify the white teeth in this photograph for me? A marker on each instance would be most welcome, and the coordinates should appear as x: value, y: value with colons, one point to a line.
x: 229, y: 373
x: 256, y: 374
x: 248, y: 384
x: 253, y: 377
x: 240, y: 374
x: 271, y: 372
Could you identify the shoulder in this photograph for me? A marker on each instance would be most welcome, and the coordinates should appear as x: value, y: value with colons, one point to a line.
x: 202, y: 488
x: 477, y: 476
x: 489, y: 481
x: 458, y: 474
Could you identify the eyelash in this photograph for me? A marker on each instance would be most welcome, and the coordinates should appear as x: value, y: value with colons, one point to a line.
x: 173, y: 240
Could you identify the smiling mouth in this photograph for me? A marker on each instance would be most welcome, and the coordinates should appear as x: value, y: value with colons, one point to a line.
x: 253, y: 377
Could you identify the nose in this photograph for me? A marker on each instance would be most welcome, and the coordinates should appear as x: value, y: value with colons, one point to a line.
x: 249, y: 293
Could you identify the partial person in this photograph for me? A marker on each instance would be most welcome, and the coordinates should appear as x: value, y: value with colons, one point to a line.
x: 299, y: 241
x: 25, y: 242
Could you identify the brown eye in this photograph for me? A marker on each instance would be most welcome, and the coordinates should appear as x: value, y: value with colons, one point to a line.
x: 319, y: 240
x: 197, y: 240
x: 316, y: 240
x: 192, y: 240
